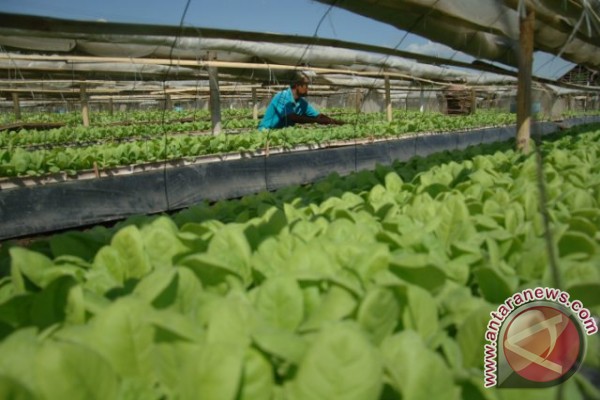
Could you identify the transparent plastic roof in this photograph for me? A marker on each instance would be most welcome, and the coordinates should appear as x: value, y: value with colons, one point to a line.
x: 489, y: 29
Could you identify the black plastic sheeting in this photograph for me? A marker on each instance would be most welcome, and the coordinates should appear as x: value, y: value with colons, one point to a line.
x: 214, y: 181
x: 40, y: 209
x: 308, y: 166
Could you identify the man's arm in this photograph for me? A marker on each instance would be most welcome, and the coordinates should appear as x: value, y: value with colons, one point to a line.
x: 320, y: 119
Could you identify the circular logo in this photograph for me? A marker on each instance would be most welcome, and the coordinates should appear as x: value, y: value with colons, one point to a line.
x: 542, y: 344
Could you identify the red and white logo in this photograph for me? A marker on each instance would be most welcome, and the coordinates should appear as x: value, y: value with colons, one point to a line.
x: 542, y: 344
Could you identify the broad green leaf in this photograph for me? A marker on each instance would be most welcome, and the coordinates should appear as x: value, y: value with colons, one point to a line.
x: 313, y: 261
x: 451, y: 352
x: 168, y: 359
x: 494, y: 286
x: 280, y: 302
x: 213, y: 372
x: 471, y: 336
x: 71, y: 371
x: 171, y: 326
x: 583, y: 225
x: 212, y: 271
x: 306, y: 230
x: 456, y: 302
x: 78, y: 244
x: 378, y: 313
x: 417, y: 269
x: 340, y: 364
x: 393, y: 183
x: 18, y: 353
x: 232, y: 320
x: 257, y: 377
x: 10, y: 389
x: 189, y: 290
x: 458, y: 269
x: 421, y: 314
x: 427, y: 378
x: 161, y: 242
x: 28, y: 264
x: 269, y: 224
x: 366, y: 259
x: 335, y: 305
x: 229, y: 247
x: 576, y: 242
x: 132, y: 255
x: 122, y: 334
x: 455, y: 224
x: 533, y: 261
x: 60, y: 301
x: 108, y: 262
x: 272, y: 256
x: 154, y: 284
x: 283, y: 344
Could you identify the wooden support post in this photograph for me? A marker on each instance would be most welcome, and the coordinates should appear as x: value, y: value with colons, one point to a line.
x: 214, y: 100
x: 473, y: 102
x: 422, y: 100
x: 16, y: 106
x: 168, y: 102
x: 254, y: 105
x: 85, y: 111
x: 526, y: 26
x: 358, y: 100
x: 111, y: 107
x: 388, y: 99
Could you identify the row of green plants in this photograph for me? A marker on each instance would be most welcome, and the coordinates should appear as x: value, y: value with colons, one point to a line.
x: 135, y: 116
x: 17, y: 161
x: 377, y: 285
x: 79, y: 135
x: 85, y: 136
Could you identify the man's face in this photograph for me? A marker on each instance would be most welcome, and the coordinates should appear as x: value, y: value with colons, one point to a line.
x: 302, y: 89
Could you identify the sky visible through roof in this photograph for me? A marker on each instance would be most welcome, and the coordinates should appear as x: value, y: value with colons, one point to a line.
x: 294, y: 17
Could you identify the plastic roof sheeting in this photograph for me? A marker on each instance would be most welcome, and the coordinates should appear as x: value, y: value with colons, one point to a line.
x: 58, y: 37
x: 489, y: 29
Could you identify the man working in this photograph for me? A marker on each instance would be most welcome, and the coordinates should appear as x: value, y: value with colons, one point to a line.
x: 289, y: 107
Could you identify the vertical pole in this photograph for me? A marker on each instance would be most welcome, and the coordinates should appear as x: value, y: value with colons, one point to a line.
x: 16, y: 106
x: 111, y: 107
x: 473, y: 102
x: 85, y: 111
x: 388, y: 99
x: 168, y: 102
x: 422, y: 100
x: 358, y: 100
x: 254, y: 105
x: 526, y: 25
x: 215, y: 99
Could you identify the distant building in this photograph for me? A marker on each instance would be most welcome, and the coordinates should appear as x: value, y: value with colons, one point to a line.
x: 581, y: 75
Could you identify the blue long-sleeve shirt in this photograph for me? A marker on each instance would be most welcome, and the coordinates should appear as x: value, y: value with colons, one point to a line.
x: 282, y: 105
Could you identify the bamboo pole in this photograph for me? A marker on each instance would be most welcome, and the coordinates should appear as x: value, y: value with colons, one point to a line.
x: 254, y: 105
x: 358, y: 100
x: 16, y: 106
x: 85, y: 112
x: 526, y: 26
x: 212, y: 63
x: 388, y: 99
x: 214, y: 100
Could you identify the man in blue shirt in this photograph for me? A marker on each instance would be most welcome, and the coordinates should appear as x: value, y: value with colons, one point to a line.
x: 289, y: 107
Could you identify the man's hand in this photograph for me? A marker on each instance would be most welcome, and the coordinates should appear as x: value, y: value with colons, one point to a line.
x: 324, y: 119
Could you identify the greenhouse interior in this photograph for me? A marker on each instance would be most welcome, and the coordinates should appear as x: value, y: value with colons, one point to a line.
x: 426, y: 227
